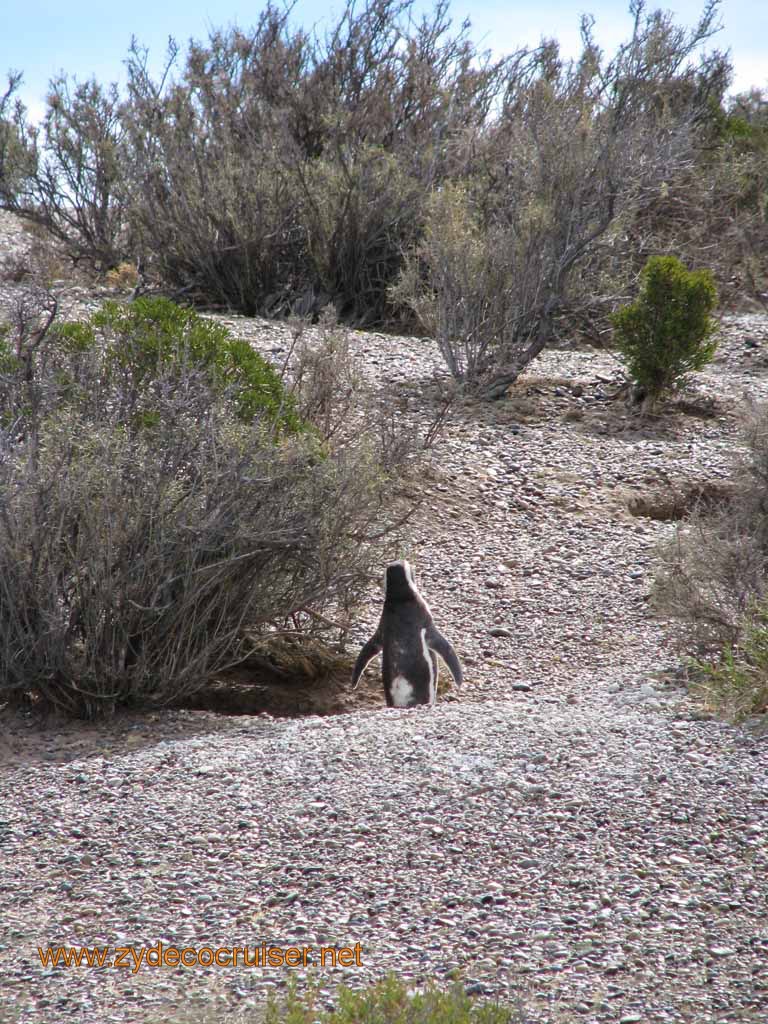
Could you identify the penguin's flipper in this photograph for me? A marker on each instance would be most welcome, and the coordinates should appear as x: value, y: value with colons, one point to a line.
x: 438, y: 643
x: 368, y: 653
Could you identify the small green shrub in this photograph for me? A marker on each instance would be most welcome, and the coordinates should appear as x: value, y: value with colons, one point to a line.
x: 737, y: 685
x: 666, y: 332
x: 125, y: 361
x: 390, y: 1001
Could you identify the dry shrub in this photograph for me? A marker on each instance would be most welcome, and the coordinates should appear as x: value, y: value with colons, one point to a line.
x: 123, y: 277
x: 331, y: 392
x: 68, y: 175
x: 715, y: 570
x: 15, y: 157
x: 736, y: 686
x: 132, y: 566
x: 577, y: 146
x: 716, y: 576
x: 144, y: 544
x: 714, y: 215
x: 573, y: 173
x: 325, y: 381
x: 361, y: 212
x: 456, y: 286
x: 351, y: 131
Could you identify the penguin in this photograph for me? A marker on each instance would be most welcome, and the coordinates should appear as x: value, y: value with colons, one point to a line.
x: 409, y: 640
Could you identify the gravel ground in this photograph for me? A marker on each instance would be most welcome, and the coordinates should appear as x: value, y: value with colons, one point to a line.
x: 569, y: 831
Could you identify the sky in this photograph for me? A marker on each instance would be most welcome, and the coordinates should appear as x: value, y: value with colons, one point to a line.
x: 88, y: 38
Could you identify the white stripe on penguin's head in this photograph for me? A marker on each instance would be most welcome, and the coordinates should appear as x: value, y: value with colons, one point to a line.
x: 398, y: 583
x: 411, y: 578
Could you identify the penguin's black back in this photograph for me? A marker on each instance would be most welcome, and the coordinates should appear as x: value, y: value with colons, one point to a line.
x: 404, y: 622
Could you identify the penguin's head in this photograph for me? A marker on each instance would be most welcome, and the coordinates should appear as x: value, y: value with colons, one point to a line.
x: 400, y: 584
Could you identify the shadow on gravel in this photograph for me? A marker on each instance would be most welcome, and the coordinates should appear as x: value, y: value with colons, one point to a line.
x: 315, y: 682
x: 246, y: 691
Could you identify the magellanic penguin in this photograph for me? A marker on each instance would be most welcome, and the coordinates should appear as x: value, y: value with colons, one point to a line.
x: 409, y: 640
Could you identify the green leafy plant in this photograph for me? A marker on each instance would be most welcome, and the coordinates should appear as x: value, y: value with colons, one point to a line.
x: 391, y: 1001
x: 666, y: 332
x: 153, y: 339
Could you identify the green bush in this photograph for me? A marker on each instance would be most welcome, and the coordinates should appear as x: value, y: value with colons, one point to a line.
x: 666, y: 332
x: 390, y: 1001
x: 150, y: 342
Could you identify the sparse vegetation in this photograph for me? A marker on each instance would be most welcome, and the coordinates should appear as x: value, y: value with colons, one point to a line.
x: 403, y: 175
x: 576, y: 149
x: 736, y: 685
x: 352, y: 131
x: 667, y: 331
x: 714, y: 570
x: 391, y: 1002
x: 715, y: 576
x: 68, y: 174
x: 714, y: 214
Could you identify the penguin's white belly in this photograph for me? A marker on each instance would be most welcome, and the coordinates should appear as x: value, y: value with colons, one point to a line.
x: 402, y: 692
